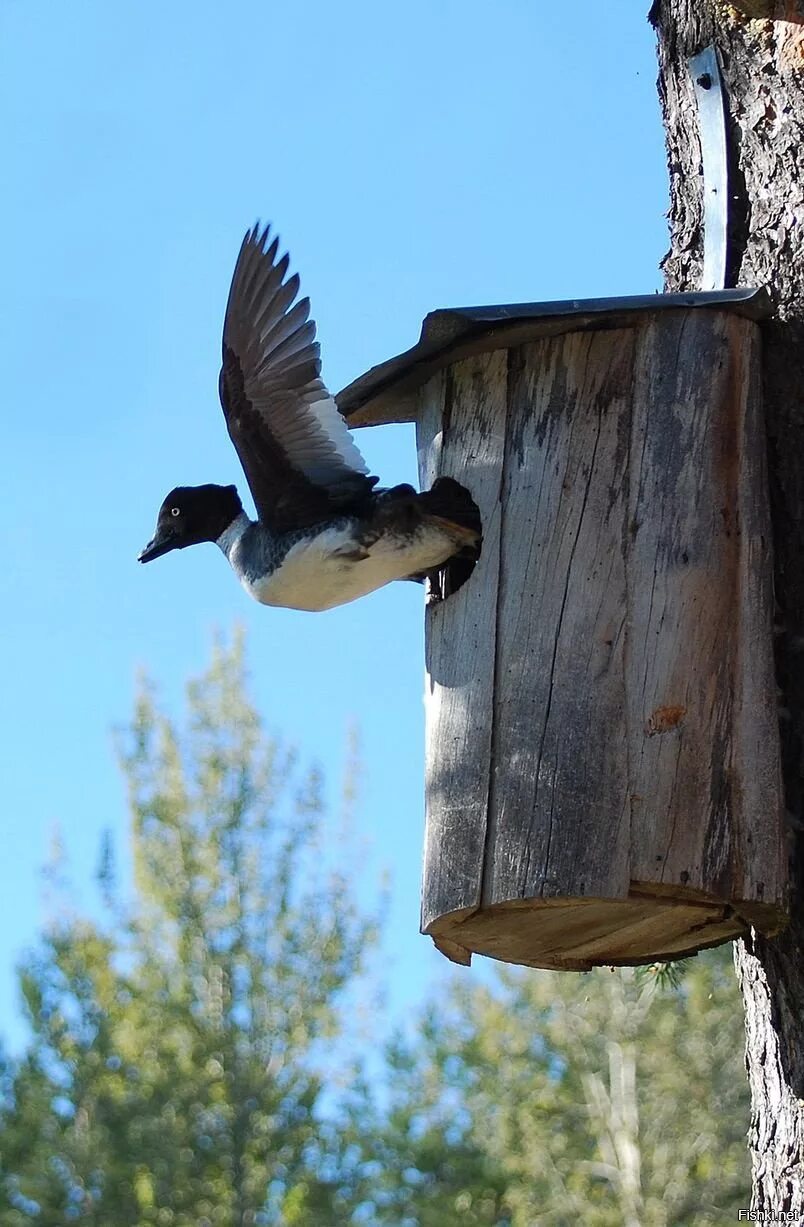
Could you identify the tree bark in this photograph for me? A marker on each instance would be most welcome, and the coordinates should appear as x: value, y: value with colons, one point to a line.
x: 760, y: 47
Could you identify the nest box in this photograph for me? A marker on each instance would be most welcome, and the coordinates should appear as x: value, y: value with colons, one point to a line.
x: 603, y: 780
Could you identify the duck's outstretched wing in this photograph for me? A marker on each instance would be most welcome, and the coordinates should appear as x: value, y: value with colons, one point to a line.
x: 299, y: 458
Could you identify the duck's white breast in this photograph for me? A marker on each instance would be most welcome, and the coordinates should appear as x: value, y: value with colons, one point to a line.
x: 331, y: 569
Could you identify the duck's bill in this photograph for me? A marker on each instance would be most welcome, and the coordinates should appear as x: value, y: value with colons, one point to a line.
x: 161, y: 544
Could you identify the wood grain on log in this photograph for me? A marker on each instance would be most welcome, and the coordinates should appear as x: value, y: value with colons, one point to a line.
x: 602, y: 765
x: 559, y: 703
x: 460, y: 662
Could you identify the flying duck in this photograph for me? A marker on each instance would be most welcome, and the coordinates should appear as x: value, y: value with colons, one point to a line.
x: 324, y: 534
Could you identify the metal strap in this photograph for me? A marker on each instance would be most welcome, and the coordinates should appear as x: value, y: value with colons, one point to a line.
x: 705, y: 74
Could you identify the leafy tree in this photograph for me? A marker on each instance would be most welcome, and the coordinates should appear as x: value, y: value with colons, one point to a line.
x: 552, y: 1099
x: 173, y: 1075
x: 181, y: 1051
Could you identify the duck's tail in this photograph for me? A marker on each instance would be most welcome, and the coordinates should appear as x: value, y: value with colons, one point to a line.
x: 452, y: 503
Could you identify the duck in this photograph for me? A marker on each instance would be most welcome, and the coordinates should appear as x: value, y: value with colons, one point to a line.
x: 325, y: 533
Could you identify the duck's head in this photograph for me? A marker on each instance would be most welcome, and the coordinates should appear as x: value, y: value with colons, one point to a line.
x: 190, y: 515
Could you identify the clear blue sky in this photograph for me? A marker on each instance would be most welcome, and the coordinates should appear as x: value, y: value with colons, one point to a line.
x: 415, y: 155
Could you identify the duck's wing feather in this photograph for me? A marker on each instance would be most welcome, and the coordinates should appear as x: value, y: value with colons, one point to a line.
x: 298, y: 455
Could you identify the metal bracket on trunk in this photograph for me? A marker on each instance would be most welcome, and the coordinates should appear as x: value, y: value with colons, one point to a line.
x: 705, y: 73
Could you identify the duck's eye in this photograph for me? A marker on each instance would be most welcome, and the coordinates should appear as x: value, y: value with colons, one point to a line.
x: 175, y: 511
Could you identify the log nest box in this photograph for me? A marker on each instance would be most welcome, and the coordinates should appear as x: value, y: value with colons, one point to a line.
x: 603, y: 779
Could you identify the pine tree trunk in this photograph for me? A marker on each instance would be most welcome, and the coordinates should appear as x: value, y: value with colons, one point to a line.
x: 760, y: 46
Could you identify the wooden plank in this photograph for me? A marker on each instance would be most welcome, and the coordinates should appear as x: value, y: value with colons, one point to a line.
x: 460, y: 434
x: 576, y: 934
x: 388, y: 392
x: 759, y: 851
x: 703, y: 766
x: 559, y: 813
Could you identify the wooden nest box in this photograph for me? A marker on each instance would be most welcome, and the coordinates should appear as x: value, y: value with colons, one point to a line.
x: 603, y: 779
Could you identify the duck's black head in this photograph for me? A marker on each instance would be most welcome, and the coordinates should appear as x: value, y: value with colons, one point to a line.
x: 190, y: 515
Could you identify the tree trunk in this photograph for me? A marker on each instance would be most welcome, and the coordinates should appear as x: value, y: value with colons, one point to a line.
x: 760, y: 47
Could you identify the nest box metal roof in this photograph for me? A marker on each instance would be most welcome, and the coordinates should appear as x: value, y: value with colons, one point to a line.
x: 387, y: 393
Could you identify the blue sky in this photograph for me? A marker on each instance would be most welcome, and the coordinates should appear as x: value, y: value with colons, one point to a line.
x: 412, y: 156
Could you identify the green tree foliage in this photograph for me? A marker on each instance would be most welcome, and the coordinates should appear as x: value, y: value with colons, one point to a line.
x: 172, y: 1077
x: 180, y: 1073
x: 553, y: 1099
